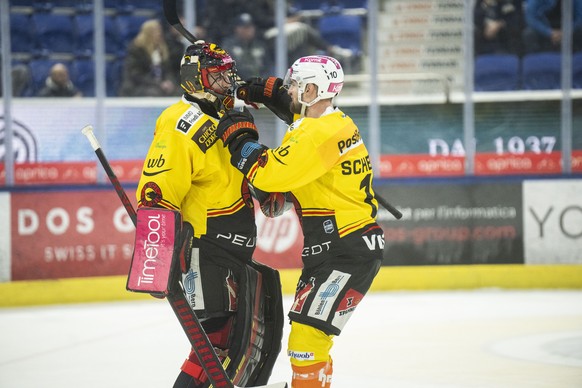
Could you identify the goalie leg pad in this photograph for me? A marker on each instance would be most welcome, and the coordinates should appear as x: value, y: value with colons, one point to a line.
x: 211, y: 285
x: 274, y: 321
x: 243, y: 317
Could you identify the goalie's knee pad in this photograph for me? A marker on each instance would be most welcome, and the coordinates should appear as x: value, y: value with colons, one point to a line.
x: 240, y: 307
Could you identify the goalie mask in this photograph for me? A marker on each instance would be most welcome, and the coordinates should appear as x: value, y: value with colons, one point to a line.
x: 206, y: 67
x: 323, y: 71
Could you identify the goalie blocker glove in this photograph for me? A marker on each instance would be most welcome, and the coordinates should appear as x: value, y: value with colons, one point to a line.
x: 238, y: 132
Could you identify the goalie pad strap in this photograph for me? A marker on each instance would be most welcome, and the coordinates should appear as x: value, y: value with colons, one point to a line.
x: 194, y: 370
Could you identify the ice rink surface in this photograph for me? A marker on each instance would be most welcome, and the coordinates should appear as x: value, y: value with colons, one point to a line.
x: 445, y: 339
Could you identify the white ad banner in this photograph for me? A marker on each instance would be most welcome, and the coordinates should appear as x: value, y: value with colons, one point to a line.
x: 552, y: 221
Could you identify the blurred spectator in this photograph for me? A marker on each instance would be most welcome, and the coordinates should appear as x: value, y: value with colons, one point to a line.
x: 543, y: 30
x: 498, y: 26
x: 303, y: 40
x: 58, y: 83
x: 248, y: 50
x: 147, y: 69
x: 21, y: 80
x: 221, y: 14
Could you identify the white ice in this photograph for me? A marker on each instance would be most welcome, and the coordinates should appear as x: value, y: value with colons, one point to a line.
x: 447, y: 339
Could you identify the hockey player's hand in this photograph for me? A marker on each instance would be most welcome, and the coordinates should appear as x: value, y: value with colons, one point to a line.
x: 272, y: 204
x: 276, y: 204
x: 235, y: 127
x: 259, y: 90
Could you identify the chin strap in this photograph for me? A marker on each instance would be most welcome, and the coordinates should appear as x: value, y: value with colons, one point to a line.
x: 305, y: 105
x: 204, y: 96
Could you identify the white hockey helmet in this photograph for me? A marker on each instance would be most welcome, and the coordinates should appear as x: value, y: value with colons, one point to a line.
x: 323, y: 71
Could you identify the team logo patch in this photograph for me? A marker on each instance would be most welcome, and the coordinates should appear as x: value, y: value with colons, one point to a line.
x: 205, y: 136
x: 303, y: 291
x: 151, y: 194
x: 327, y: 294
x: 328, y: 226
x: 187, y: 119
x: 156, y: 162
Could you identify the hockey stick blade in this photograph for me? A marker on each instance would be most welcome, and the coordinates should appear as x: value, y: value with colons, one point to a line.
x: 171, y: 14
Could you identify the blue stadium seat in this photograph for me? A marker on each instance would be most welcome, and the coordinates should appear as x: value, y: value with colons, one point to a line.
x: 577, y: 70
x: 307, y: 4
x: 342, y: 30
x: 113, y: 76
x: 355, y: 3
x: 113, y: 3
x: 84, y: 34
x: 128, y: 26
x: 21, y: 33
x: 328, y: 4
x: 54, y: 32
x: 541, y: 71
x: 153, y: 5
x: 495, y: 72
x: 58, y: 3
x: 82, y: 72
x: 21, y: 3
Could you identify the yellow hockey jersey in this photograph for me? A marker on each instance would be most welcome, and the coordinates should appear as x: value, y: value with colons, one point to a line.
x: 186, y: 171
x: 325, y: 164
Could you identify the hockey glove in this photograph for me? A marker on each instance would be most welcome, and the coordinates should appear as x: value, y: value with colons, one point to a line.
x: 272, y: 204
x: 269, y: 92
x: 259, y: 90
x: 236, y: 127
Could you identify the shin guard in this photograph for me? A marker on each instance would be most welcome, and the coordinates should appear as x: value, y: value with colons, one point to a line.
x: 312, y: 376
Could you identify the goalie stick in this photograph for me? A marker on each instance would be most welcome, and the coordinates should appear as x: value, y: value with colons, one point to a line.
x: 192, y: 327
x: 171, y: 14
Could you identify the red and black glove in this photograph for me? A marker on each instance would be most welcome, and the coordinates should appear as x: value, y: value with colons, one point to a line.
x: 269, y: 92
x: 272, y: 204
x: 236, y: 127
x: 259, y: 90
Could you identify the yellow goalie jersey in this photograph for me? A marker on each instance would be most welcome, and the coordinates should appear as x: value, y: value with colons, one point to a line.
x: 184, y: 170
x: 325, y: 164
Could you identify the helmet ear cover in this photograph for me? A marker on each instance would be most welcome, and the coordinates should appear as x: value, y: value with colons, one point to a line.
x: 190, y: 78
x: 198, y: 61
